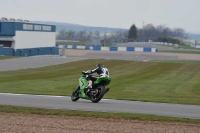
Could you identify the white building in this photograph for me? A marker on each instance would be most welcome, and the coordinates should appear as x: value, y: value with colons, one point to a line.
x: 21, y: 38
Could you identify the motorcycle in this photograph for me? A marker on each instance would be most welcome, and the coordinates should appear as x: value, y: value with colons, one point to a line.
x: 97, y: 91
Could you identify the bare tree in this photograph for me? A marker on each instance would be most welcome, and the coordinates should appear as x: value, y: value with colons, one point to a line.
x: 71, y: 34
x: 82, y: 34
x: 149, y: 31
x: 97, y: 34
x: 89, y: 34
x: 61, y: 34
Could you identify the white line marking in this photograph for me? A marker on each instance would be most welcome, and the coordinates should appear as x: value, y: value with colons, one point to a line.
x: 38, y: 95
x: 30, y: 95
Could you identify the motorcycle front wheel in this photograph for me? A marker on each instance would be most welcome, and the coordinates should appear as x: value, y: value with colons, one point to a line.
x: 75, y: 94
x: 100, y: 91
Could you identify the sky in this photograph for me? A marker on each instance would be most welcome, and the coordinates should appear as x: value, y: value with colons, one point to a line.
x: 107, y: 13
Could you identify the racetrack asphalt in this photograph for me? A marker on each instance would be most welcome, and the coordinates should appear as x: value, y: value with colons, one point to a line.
x: 34, y: 62
x: 105, y: 105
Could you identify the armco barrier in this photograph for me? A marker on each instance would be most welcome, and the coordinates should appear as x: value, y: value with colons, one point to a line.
x: 97, y: 48
x: 6, y: 51
x: 74, y: 46
x: 113, y: 48
x: 130, y: 48
x: 87, y: 47
x: 147, y: 49
x: 1, y: 49
x: 28, y: 52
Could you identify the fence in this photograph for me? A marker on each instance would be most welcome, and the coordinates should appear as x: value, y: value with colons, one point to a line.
x: 28, y: 52
x: 99, y: 48
x: 164, y: 43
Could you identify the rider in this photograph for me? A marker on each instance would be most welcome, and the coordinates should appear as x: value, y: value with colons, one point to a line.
x: 100, y: 69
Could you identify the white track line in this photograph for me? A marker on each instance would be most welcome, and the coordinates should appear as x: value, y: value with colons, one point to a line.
x: 37, y: 95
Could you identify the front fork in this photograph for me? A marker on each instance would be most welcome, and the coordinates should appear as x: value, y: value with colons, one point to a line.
x: 83, y: 83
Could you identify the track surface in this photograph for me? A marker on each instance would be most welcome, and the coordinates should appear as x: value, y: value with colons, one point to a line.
x: 65, y: 103
x: 33, y: 62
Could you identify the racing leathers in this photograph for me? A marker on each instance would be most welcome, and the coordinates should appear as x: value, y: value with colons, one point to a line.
x: 102, y: 72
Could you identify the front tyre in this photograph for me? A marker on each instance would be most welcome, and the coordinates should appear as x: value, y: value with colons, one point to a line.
x: 75, y: 94
x: 100, y: 90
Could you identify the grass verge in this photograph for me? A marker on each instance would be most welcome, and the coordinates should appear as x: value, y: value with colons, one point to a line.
x: 180, y: 46
x: 180, y: 51
x: 165, y: 82
x: 39, y: 111
x: 7, y: 57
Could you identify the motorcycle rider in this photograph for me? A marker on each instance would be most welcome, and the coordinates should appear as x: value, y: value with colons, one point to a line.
x: 100, y: 69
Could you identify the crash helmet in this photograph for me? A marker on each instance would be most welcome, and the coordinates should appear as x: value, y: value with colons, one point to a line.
x: 100, y: 65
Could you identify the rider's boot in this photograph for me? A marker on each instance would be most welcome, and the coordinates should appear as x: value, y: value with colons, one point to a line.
x: 106, y: 90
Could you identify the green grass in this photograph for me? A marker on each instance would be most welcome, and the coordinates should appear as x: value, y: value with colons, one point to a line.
x: 167, y: 82
x: 39, y: 111
x: 188, y: 47
x: 179, y: 61
x: 180, y: 51
x: 180, y: 46
x: 172, y: 46
x: 7, y: 57
x: 82, y: 43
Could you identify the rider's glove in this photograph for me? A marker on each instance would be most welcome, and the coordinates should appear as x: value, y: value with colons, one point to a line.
x: 83, y: 72
x: 88, y: 71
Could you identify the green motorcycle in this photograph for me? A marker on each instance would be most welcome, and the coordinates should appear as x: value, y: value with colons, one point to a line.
x: 96, y: 93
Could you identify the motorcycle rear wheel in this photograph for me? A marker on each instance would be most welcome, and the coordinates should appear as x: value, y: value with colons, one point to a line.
x: 100, y: 93
x: 75, y: 94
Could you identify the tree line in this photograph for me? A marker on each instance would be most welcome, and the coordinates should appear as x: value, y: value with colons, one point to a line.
x: 160, y: 33
x: 84, y: 35
x: 148, y: 32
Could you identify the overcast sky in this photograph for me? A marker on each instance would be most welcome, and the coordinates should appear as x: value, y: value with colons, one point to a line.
x: 107, y: 13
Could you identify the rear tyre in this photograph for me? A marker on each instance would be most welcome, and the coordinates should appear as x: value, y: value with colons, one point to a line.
x: 75, y: 94
x: 100, y: 93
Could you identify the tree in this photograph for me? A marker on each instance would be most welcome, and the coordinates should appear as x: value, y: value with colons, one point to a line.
x: 71, y: 34
x: 168, y: 40
x: 149, y: 32
x: 61, y: 34
x: 89, y: 34
x: 97, y: 34
x: 82, y: 34
x: 132, y: 34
